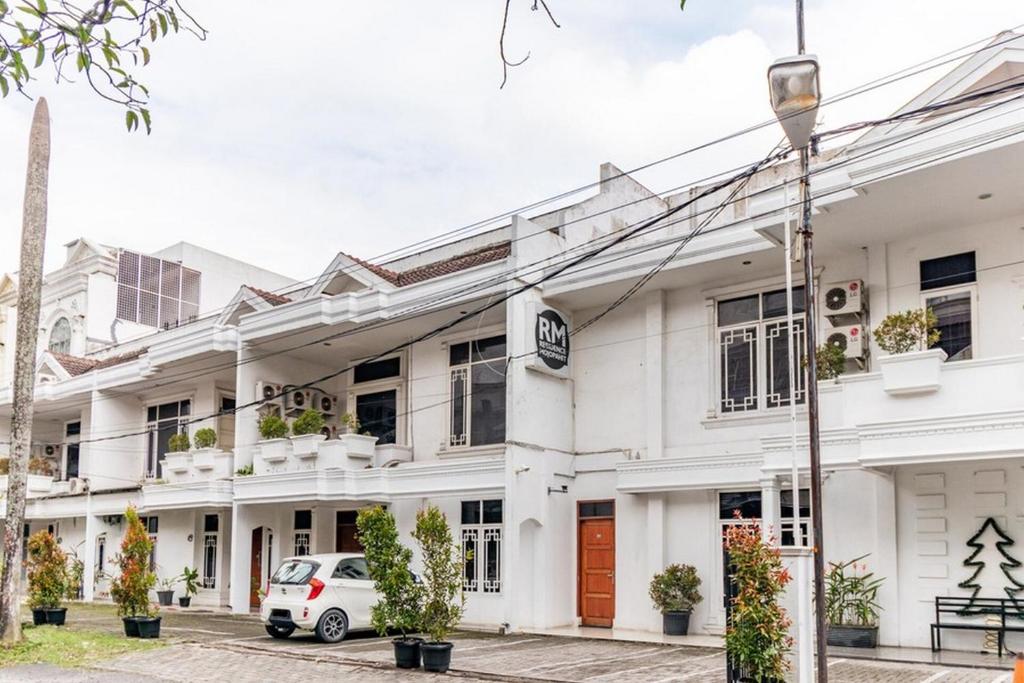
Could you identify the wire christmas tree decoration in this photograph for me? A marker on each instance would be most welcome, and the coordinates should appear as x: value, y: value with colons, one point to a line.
x: 979, y: 566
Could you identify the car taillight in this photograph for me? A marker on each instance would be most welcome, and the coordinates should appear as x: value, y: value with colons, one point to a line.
x: 316, y: 586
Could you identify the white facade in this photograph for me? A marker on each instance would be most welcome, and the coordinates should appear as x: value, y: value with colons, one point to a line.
x: 573, y: 485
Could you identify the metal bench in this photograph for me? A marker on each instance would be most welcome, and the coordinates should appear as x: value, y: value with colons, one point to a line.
x: 1004, y: 608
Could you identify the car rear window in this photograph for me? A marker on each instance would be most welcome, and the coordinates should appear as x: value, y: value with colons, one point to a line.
x: 295, y: 572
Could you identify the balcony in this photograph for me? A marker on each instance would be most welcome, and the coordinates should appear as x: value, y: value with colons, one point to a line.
x: 314, y: 452
x: 38, y: 485
x: 201, y: 464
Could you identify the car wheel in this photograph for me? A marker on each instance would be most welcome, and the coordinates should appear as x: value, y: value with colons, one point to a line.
x: 279, y: 631
x: 332, y: 627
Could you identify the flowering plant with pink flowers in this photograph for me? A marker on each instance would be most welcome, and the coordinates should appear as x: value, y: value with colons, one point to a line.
x: 851, y: 593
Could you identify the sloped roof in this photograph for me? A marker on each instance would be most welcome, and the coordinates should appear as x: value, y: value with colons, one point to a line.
x: 76, y: 365
x: 270, y: 297
x: 428, y: 271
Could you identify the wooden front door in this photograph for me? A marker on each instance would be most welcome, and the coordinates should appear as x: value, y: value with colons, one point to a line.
x: 597, y: 570
x: 256, y: 568
x: 346, y: 535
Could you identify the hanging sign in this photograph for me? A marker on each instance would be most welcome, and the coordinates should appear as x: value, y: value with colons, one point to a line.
x: 550, y: 341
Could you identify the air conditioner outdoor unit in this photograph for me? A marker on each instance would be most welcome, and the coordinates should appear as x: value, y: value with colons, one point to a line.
x: 77, y: 485
x: 325, y: 403
x: 849, y: 338
x: 273, y: 402
x: 843, y: 298
x: 51, y: 449
x: 298, y: 401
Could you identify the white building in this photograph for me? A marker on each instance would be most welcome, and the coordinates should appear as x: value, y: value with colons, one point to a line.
x: 576, y: 476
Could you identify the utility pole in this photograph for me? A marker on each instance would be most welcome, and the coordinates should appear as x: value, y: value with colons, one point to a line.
x: 30, y: 286
x: 814, y: 442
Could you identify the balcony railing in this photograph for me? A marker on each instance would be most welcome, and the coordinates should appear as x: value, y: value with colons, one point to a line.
x: 315, y: 452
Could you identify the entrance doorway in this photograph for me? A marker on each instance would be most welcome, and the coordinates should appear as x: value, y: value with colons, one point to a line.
x: 346, y: 535
x: 596, y: 562
x: 256, y: 568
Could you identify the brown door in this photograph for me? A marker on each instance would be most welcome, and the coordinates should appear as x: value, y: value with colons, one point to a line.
x: 597, y: 571
x: 256, y: 568
x: 346, y: 536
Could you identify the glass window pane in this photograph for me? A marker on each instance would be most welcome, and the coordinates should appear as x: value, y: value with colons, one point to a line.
x: 953, y: 312
x: 774, y: 303
x: 487, y: 403
x: 72, y: 461
x: 184, y: 408
x: 458, y: 434
x: 378, y: 369
x: 377, y: 414
x: 458, y: 354
x: 492, y: 560
x: 738, y: 349
x: 748, y: 503
x: 471, y: 512
x: 303, y: 519
x: 169, y: 410
x: 73, y: 428
x: 492, y: 511
x: 211, y: 523
x: 489, y: 349
x: 151, y: 414
x: 777, y: 392
x: 603, y: 508
x: 739, y: 310
x: 957, y: 269
x: 470, y: 538
x: 786, y: 503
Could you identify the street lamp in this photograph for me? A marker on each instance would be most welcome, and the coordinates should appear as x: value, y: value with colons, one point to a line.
x: 795, y: 93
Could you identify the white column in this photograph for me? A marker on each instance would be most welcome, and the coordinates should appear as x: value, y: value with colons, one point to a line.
x: 655, y: 544
x: 771, y: 514
x: 884, y: 558
x: 654, y: 358
x: 89, y: 554
x: 241, y: 553
x: 799, y: 561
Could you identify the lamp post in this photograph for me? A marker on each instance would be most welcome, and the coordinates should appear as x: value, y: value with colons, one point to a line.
x: 795, y: 95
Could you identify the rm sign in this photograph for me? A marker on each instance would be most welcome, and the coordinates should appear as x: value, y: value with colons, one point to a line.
x: 551, y: 341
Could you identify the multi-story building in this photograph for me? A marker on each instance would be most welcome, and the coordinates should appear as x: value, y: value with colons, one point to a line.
x: 576, y: 466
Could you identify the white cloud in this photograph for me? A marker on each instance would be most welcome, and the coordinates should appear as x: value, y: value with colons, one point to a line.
x: 366, y: 126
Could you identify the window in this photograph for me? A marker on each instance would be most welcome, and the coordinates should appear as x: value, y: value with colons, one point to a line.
x: 948, y: 288
x: 377, y: 413
x: 748, y: 504
x: 152, y: 525
x: 154, y: 292
x: 377, y: 370
x: 601, y: 508
x: 211, y: 534
x: 60, y: 336
x: 477, y: 392
x: 753, y: 351
x: 481, y: 545
x: 303, y: 532
x: 352, y: 568
x: 295, y: 572
x: 163, y: 422
x: 72, y: 434
x: 101, y: 554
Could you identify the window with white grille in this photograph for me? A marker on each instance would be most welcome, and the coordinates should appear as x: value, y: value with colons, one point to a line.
x: 481, y: 545
x: 753, y: 352
x: 154, y: 292
x: 211, y: 535
x: 60, y: 336
x: 303, y: 532
x: 477, y: 385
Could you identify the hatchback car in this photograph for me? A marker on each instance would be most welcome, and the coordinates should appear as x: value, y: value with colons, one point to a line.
x: 327, y: 594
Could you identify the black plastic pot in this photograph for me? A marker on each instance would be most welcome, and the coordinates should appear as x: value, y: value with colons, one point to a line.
x: 38, y: 617
x: 131, y: 626
x: 149, y: 627
x: 853, y: 636
x: 185, y: 601
x: 55, y: 616
x: 407, y: 652
x: 675, y: 623
x: 437, y: 657
x: 166, y: 598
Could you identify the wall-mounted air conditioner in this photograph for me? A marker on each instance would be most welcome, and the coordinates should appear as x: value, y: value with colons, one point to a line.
x: 325, y: 403
x: 297, y: 401
x: 273, y: 402
x: 77, y: 485
x: 843, y: 298
x: 849, y: 338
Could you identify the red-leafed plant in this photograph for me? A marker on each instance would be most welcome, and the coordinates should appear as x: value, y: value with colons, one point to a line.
x: 757, y: 637
x: 130, y: 589
x: 47, y: 571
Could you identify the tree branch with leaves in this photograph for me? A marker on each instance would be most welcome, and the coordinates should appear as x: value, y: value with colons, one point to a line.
x: 107, y: 43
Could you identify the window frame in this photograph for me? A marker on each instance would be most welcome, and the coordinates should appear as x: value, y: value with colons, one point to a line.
x: 306, y: 533
x: 153, y: 430
x: 207, y: 581
x: 398, y: 384
x: 71, y: 440
x: 467, y: 368
x: 66, y: 342
x: 480, y: 532
x: 969, y: 288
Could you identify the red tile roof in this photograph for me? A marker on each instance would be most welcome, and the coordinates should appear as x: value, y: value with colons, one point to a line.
x: 429, y: 271
x: 269, y: 297
x: 76, y: 365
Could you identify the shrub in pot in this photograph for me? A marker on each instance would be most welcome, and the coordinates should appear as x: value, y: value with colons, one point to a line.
x: 272, y: 427
x: 309, y: 422
x: 443, y: 600
x: 851, y: 603
x: 831, y: 361
x: 47, y: 579
x: 76, y: 576
x: 911, y: 366
x: 130, y: 588
x: 205, y: 438
x: 757, y: 636
x: 674, y: 592
x: 401, y: 597
x: 190, y: 577
x: 908, y: 331
x: 177, y: 443
x: 166, y: 592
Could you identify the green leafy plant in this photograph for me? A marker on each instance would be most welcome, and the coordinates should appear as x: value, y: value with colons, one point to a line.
x: 310, y: 422
x: 272, y: 427
x: 352, y: 422
x: 130, y: 588
x: 401, y: 599
x: 757, y: 636
x: 205, y: 438
x: 676, y: 589
x: 907, y: 331
x: 190, y: 577
x: 831, y: 361
x: 851, y: 594
x: 76, y: 575
x: 443, y: 600
x: 47, y: 571
x: 244, y: 471
x: 178, y: 443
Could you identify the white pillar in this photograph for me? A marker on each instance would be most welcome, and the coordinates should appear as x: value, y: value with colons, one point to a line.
x: 89, y: 554
x: 884, y: 558
x: 654, y: 357
x: 771, y: 513
x: 241, y: 553
x: 655, y: 544
x: 799, y: 561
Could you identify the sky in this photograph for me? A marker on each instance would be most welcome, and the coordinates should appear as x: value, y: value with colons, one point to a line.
x: 286, y: 137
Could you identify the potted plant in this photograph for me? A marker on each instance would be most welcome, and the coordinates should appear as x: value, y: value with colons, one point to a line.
x: 357, y: 445
x: 190, y: 577
x: 177, y: 457
x: 272, y: 445
x: 401, y: 598
x: 851, y: 604
x: 204, y: 438
x: 130, y: 588
x: 911, y: 365
x: 443, y: 600
x: 76, y: 575
x: 674, y: 592
x: 166, y: 593
x: 757, y: 637
x: 47, y: 579
x: 831, y: 361
x: 306, y: 431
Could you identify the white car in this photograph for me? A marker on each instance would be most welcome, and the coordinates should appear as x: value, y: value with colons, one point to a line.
x: 327, y: 594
